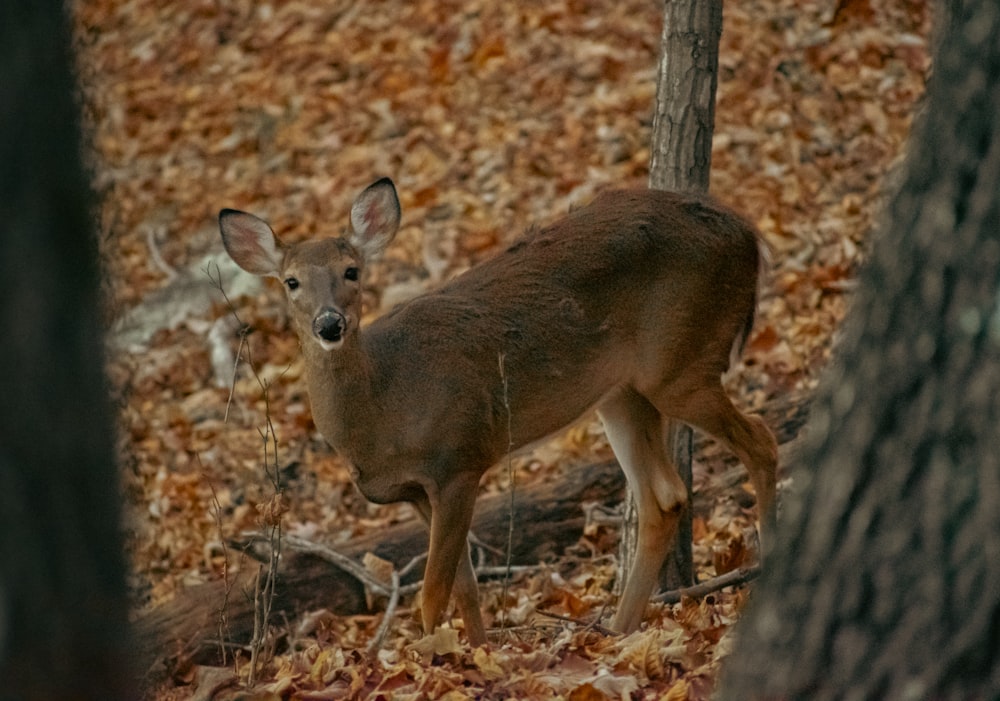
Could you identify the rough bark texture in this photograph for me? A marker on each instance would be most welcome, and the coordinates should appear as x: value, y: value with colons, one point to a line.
x: 886, y: 578
x: 681, y: 148
x: 685, y: 95
x: 62, y: 583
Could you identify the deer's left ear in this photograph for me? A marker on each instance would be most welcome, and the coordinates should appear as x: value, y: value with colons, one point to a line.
x: 375, y: 217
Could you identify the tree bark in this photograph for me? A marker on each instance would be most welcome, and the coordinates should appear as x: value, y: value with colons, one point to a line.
x: 885, y: 581
x: 681, y: 158
x: 684, y: 119
x: 62, y: 581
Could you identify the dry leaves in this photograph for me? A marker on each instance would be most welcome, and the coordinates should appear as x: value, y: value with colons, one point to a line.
x: 489, y: 116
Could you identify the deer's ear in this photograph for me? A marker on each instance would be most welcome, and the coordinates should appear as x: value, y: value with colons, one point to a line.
x: 250, y: 242
x: 375, y: 217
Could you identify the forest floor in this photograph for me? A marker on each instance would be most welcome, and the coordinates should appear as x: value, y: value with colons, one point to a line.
x: 489, y: 116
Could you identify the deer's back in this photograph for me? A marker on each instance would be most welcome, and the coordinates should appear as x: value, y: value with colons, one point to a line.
x: 633, y: 288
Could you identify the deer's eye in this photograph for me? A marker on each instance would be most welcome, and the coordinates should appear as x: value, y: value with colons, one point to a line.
x: 351, y: 273
x: 292, y: 283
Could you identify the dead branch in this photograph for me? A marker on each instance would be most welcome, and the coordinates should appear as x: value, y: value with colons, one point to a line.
x: 550, y: 518
x: 709, y: 586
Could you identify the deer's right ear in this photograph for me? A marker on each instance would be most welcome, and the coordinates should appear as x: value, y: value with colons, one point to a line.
x: 250, y: 242
x: 375, y: 217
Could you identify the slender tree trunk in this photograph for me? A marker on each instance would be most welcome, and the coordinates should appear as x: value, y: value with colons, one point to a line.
x: 685, y: 95
x: 62, y: 571
x: 885, y: 580
x: 681, y: 160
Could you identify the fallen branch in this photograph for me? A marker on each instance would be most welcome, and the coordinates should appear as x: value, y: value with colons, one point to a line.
x: 585, y: 625
x: 311, y: 577
x: 729, y: 579
x: 550, y: 518
x: 390, y: 612
x: 344, y: 562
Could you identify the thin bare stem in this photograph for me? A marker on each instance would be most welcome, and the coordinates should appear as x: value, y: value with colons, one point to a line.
x: 510, y: 477
x: 216, y: 281
x: 266, y: 580
x: 224, y: 609
x: 409, y: 566
x: 264, y: 590
x: 588, y: 625
x: 390, y: 611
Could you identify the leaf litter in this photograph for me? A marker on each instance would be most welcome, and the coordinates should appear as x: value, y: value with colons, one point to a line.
x: 490, y: 116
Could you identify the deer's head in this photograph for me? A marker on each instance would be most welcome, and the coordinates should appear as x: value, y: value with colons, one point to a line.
x: 322, y: 278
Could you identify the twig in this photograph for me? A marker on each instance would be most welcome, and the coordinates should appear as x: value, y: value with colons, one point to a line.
x: 729, y: 579
x: 588, y: 625
x: 154, y: 254
x: 224, y: 609
x: 266, y: 580
x: 506, y: 570
x: 264, y: 585
x: 596, y: 623
x: 236, y: 366
x: 351, y: 567
x: 510, y: 477
x: 409, y: 566
x: 244, y: 331
x: 390, y: 611
x: 358, y: 571
x: 483, y: 545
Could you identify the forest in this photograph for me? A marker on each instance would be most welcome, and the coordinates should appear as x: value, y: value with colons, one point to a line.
x: 491, y: 118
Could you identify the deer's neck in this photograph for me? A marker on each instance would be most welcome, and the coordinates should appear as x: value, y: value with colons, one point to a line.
x: 340, y: 391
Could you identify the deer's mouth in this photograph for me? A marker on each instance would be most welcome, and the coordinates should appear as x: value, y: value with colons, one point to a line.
x: 329, y: 328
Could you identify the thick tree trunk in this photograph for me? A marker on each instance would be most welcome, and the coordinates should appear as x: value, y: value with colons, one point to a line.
x: 885, y: 582
x: 62, y: 577
x: 681, y: 157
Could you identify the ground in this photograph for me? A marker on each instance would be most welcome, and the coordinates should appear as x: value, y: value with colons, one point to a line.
x: 490, y: 117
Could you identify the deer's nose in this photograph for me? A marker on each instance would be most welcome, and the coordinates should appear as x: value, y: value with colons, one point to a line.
x: 329, y: 326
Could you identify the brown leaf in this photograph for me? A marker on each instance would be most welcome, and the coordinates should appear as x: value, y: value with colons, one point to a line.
x: 678, y: 691
x: 270, y: 512
x: 731, y: 556
x: 443, y: 641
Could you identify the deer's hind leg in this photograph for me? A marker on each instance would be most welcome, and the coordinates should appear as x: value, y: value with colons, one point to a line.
x: 635, y: 430
x: 709, y: 409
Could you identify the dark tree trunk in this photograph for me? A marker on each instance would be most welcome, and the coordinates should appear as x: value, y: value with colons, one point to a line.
x: 681, y: 158
x: 62, y: 584
x: 885, y: 582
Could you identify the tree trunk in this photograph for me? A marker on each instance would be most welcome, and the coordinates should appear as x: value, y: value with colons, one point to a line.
x: 62, y: 579
x: 684, y: 120
x: 681, y: 159
x: 885, y: 582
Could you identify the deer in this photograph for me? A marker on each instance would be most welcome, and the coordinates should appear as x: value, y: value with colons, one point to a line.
x: 634, y: 305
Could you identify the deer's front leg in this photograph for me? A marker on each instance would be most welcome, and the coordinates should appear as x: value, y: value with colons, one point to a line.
x: 451, y: 515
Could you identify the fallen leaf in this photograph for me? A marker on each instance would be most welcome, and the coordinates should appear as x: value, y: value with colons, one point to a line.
x: 677, y: 692
x: 443, y: 641
x: 486, y: 662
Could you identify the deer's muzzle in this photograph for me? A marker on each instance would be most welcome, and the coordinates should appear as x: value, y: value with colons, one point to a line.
x: 329, y: 328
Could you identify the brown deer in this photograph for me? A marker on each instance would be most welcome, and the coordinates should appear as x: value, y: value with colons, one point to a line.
x: 634, y: 305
